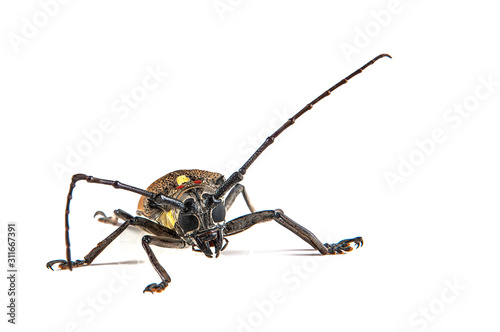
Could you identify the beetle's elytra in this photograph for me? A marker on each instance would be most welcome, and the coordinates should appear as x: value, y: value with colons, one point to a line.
x: 188, y: 208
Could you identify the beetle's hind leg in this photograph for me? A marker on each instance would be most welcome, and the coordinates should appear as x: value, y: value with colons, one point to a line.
x: 245, y: 222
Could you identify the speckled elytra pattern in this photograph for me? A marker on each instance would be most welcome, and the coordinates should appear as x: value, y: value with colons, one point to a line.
x: 168, y: 185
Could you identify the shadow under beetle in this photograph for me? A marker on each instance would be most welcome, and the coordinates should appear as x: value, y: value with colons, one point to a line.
x: 187, y: 208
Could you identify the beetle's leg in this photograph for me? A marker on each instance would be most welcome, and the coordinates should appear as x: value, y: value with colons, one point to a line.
x: 238, y: 189
x: 326, y: 248
x: 113, y: 220
x: 148, y: 240
x: 159, y: 199
x: 63, y: 264
x: 166, y: 238
x: 146, y: 224
x: 245, y: 222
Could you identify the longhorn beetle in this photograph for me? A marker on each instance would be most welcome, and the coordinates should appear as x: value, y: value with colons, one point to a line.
x: 187, y: 208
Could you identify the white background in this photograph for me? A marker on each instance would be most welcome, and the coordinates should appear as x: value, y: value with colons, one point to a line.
x: 232, y: 67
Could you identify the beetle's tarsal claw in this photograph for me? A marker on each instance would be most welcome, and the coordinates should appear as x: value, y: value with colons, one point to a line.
x: 63, y: 264
x: 99, y: 213
x: 344, y: 246
x: 106, y: 220
x: 359, y: 243
x: 155, y: 288
x: 225, y: 244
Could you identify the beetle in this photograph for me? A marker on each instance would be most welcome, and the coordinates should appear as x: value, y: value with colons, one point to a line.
x: 188, y: 208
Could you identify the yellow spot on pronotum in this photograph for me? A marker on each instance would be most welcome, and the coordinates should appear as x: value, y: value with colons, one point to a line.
x: 181, y: 179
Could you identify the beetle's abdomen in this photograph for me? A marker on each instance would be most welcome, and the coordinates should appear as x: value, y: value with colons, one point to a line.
x: 172, y: 185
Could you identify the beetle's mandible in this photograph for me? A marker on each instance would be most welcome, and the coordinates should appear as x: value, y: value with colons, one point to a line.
x: 188, y: 208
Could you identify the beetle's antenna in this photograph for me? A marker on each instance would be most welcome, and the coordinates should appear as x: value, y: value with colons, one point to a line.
x: 238, y: 175
x: 159, y: 199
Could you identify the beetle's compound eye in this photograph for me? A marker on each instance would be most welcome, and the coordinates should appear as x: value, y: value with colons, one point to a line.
x: 188, y: 222
x: 219, y: 213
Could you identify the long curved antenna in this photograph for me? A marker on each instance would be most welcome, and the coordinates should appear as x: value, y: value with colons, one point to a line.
x: 238, y: 175
x: 159, y: 199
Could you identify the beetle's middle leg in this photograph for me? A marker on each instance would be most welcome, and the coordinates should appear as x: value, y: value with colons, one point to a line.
x: 238, y: 189
x: 113, y: 220
x: 245, y: 222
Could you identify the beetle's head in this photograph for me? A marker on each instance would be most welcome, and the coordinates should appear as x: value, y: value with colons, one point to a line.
x: 201, y: 223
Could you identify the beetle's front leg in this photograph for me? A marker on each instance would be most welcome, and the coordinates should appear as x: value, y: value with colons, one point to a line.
x: 326, y: 248
x: 245, y: 222
x: 148, y: 240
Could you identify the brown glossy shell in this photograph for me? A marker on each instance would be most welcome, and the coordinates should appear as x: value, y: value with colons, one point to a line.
x: 168, y: 185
